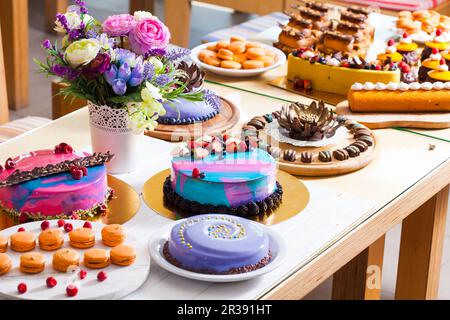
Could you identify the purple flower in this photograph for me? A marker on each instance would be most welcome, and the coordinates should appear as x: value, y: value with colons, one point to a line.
x: 124, y: 55
x: 149, y: 71
x: 82, y: 6
x: 137, y: 75
x: 92, y: 34
x: 119, y: 87
x: 47, y: 44
x: 177, y: 54
x: 63, y: 21
x: 162, y: 80
x: 212, y: 99
x: 98, y: 66
x: 124, y: 72
x: 155, y: 52
x: 111, y: 74
x: 64, y: 72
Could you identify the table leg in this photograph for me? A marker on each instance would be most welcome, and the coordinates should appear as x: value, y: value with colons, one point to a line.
x: 14, y: 20
x: 178, y: 19
x: 52, y: 7
x: 421, y: 246
x: 360, y: 279
x: 142, y: 5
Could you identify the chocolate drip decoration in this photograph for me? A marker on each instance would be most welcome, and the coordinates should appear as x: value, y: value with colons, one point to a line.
x: 22, y: 176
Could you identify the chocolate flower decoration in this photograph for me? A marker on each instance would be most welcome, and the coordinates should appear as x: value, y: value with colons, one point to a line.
x: 192, y: 76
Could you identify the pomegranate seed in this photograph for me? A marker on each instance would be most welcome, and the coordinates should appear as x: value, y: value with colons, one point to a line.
x: 102, y: 276
x: 51, y: 282
x: 45, y: 225
x: 61, y: 223
x: 71, y: 290
x: 21, y: 229
x: 22, y: 288
x: 83, y: 274
x: 87, y: 224
x: 68, y: 227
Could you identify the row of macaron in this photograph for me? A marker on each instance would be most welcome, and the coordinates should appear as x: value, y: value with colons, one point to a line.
x: 402, y: 86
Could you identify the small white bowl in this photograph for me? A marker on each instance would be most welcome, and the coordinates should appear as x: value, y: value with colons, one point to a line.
x: 280, y: 59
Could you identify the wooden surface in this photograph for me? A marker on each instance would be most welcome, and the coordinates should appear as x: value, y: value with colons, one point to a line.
x: 52, y: 7
x: 14, y: 21
x: 360, y: 278
x: 61, y: 106
x: 4, y: 111
x: 142, y: 5
x: 226, y: 119
x: 432, y: 120
x: 423, y: 234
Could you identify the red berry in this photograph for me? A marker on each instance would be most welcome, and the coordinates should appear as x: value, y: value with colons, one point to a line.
x: 51, y: 282
x: 435, y: 51
x: 346, y: 65
x: 196, y: 173
x: 68, y: 149
x: 83, y: 274
x: 405, y: 35
x: 225, y: 137
x: 68, y: 227
x: 438, y: 32
x: 378, y: 67
x: 61, y: 223
x: 1, y: 169
x: 405, y: 68
x: 71, y: 290
x: 77, y: 174
x: 102, y: 276
x: 45, y: 225
x: 10, y: 164
x: 22, y: 288
x: 391, y: 42
x: 57, y: 149
x: 87, y: 224
x: 23, y: 217
x: 85, y: 171
x: 442, y: 62
x: 21, y: 229
x: 73, y: 168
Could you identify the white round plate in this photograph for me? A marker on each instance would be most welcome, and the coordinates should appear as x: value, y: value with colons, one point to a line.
x: 280, y: 59
x: 121, y: 280
x: 156, y: 244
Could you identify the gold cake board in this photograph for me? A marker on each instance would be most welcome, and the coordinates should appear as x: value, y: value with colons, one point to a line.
x: 379, y: 120
x: 295, y: 198
x: 226, y: 119
x: 123, y: 207
x: 327, y: 97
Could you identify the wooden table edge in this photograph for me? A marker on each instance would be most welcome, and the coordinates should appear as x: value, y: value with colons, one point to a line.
x: 326, y: 263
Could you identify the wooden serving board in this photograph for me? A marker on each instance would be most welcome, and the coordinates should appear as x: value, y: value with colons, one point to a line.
x: 431, y: 120
x: 317, y: 168
x: 226, y: 119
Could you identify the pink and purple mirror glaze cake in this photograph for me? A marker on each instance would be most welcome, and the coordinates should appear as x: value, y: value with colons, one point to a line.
x: 218, y: 244
x: 222, y: 175
x: 54, y: 184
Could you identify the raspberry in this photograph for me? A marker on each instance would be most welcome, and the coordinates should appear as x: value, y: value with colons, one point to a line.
x: 68, y: 227
x: 45, y: 225
x: 195, y: 173
x: 442, y: 62
x: 83, y: 274
x: 406, y: 68
x: 68, y: 149
x: 73, y: 168
x: 10, y: 164
x: 71, y: 290
x: 378, y: 67
x: 391, y: 42
x: 102, y: 276
x: 1, y: 169
x: 405, y: 35
x: 21, y: 229
x: 22, y: 288
x: 438, y: 32
x: 51, y: 282
x: 435, y: 51
x: 85, y: 171
x: 87, y: 224
x: 61, y: 223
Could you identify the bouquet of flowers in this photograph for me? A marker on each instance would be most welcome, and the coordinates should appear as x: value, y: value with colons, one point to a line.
x: 123, y: 63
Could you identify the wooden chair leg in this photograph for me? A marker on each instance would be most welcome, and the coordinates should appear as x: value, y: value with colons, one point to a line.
x: 14, y: 19
x: 4, y: 111
x: 179, y: 20
x: 360, y: 279
x: 144, y: 5
x: 52, y: 7
x: 421, y: 246
x: 61, y: 107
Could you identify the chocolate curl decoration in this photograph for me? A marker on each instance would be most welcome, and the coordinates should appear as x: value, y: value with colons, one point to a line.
x: 22, y: 176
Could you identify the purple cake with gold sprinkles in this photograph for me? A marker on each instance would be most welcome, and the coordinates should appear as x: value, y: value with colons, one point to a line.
x: 218, y: 244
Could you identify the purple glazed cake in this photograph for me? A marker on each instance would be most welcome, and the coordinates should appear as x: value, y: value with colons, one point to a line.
x: 218, y: 244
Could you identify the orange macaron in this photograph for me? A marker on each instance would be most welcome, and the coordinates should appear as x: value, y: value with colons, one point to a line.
x: 82, y: 238
x: 123, y: 255
x: 3, y: 243
x: 253, y: 64
x: 32, y: 262
x: 64, y: 258
x: 225, y: 54
x: 256, y: 54
x: 23, y: 241
x: 51, y: 239
x: 5, y: 263
x: 96, y: 259
x: 113, y: 235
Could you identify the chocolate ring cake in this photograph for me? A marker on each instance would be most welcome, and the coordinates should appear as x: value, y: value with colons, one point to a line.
x: 53, y: 184
x: 227, y: 176
x: 218, y: 244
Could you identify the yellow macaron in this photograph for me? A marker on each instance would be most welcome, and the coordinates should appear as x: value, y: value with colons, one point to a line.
x: 96, y: 259
x: 113, y: 235
x: 51, y: 239
x: 64, y: 258
x: 5, y: 263
x: 3, y: 243
x: 123, y: 255
x: 32, y: 262
x: 23, y: 241
x: 82, y: 238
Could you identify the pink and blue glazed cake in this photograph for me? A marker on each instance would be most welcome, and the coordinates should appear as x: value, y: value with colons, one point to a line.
x: 51, y: 184
x: 218, y: 244
x: 222, y: 177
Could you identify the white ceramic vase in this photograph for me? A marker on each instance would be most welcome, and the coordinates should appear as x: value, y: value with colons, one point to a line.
x: 110, y: 131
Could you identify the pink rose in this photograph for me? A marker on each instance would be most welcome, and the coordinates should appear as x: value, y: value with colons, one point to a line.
x: 119, y: 25
x: 149, y: 33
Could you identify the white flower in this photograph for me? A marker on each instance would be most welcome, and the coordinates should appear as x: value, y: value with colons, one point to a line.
x: 141, y: 15
x: 73, y: 21
x: 151, y: 92
x: 82, y: 52
x: 159, y: 66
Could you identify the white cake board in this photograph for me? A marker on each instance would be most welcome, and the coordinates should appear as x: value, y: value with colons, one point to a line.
x: 121, y: 280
